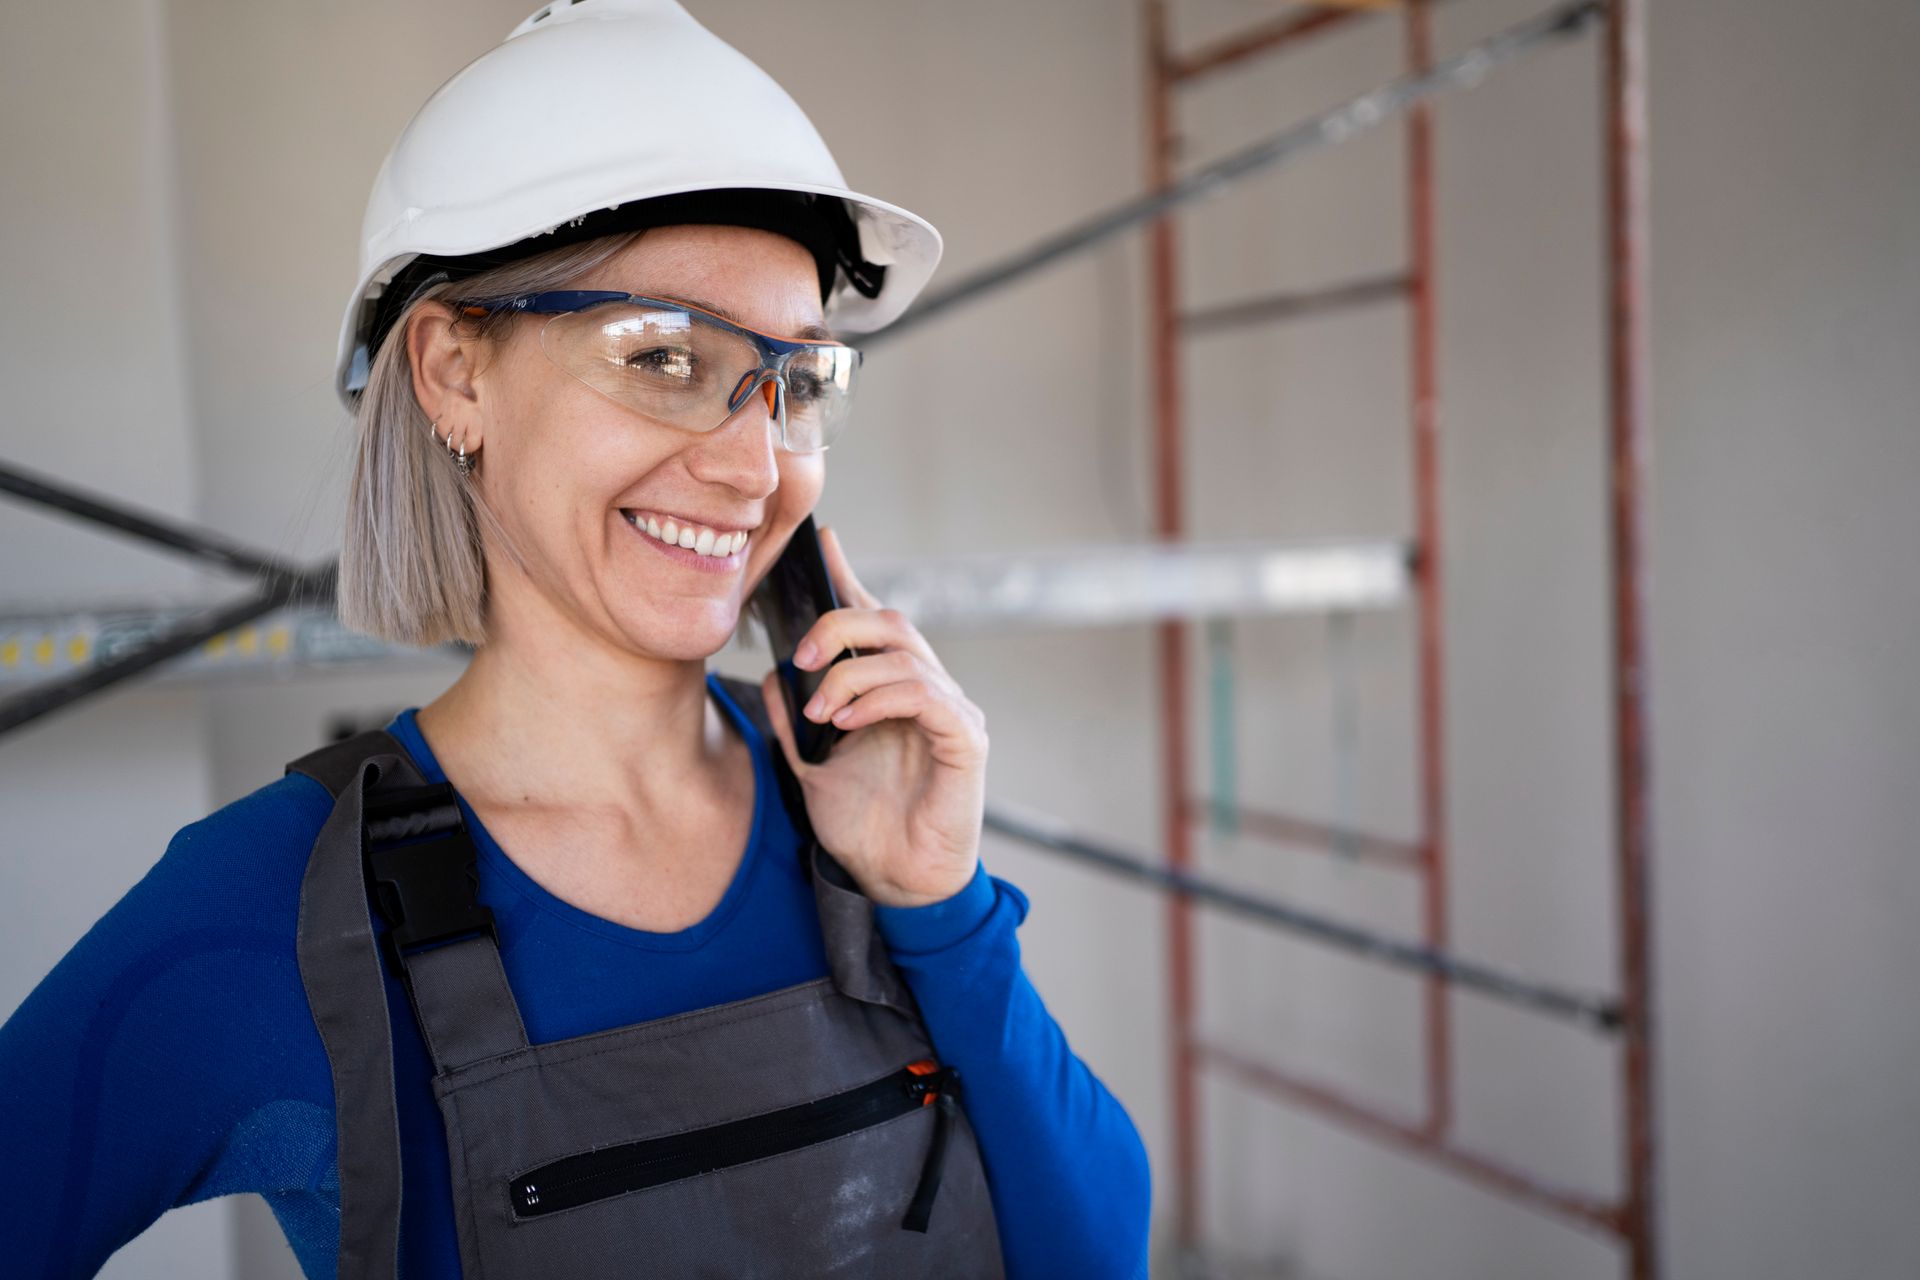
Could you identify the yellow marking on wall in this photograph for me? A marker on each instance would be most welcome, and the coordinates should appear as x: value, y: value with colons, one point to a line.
x: 247, y: 641
x: 10, y: 654
x: 43, y: 650
x: 217, y: 647
x: 78, y: 647
x: 278, y: 641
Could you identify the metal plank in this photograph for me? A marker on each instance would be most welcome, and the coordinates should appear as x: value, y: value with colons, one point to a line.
x: 1106, y: 585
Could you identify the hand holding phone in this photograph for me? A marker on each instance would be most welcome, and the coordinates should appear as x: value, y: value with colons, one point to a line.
x: 901, y: 807
x: 795, y: 592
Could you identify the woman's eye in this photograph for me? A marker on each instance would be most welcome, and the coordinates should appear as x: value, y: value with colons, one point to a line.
x: 673, y: 364
x: 804, y: 387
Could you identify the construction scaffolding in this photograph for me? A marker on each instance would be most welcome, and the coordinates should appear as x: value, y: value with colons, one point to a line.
x: 1629, y: 1217
x: 285, y: 621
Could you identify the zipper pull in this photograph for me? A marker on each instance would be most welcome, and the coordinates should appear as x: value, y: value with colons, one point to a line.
x: 940, y: 1087
x: 928, y: 1076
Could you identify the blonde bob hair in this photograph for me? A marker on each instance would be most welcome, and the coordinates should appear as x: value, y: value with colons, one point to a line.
x: 412, y: 561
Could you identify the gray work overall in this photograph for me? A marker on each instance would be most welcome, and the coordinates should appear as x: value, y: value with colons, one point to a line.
x: 805, y: 1132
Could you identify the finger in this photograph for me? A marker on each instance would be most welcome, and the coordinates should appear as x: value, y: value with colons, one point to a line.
x: 844, y: 580
x: 846, y: 681
x: 838, y: 630
x: 774, y: 692
x: 957, y: 737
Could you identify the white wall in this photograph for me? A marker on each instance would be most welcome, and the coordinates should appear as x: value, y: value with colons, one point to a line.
x: 90, y: 354
x: 1786, y: 219
x: 1788, y: 226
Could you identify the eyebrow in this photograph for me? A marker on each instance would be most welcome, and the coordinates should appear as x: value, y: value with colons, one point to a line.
x: 811, y: 332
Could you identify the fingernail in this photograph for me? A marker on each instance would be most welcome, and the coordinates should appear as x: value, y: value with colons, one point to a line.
x: 806, y: 655
x: 814, y: 707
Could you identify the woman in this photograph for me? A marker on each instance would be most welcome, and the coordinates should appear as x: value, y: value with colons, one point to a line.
x: 676, y: 930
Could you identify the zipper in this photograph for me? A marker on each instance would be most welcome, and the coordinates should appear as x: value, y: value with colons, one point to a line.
x: 573, y: 1181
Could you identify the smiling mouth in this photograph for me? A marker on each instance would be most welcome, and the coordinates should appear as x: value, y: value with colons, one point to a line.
x: 691, y: 537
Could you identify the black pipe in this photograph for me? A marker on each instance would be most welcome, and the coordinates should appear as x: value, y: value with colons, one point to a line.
x: 1292, y: 306
x: 1333, y: 125
x: 188, y: 633
x: 1598, y: 1012
x: 199, y: 544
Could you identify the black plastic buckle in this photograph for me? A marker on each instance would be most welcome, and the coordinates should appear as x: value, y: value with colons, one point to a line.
x: 420, y: 871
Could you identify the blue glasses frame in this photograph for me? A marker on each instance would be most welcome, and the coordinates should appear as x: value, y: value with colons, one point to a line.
x: 775, y: 353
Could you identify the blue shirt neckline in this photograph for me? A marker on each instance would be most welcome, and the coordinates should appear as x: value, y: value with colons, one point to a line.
x: 508, y: 872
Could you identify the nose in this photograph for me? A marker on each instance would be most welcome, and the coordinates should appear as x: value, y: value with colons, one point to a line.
x: 743, y: 452
x: 770, y: 386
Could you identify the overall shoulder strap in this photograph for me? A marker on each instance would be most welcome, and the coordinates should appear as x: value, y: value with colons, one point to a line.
x: 335, y: 765
x: 340, y: 970
x: 393, y: 836
x: 747, y: 694
x: 856, y: 953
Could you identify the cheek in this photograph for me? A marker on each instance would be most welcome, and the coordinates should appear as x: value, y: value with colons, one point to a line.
x: 544, y: 473
x: 802, y: 478
x: 566, y: 463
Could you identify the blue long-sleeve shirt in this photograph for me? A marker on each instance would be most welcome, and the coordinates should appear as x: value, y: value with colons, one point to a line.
x: 171, y: 1057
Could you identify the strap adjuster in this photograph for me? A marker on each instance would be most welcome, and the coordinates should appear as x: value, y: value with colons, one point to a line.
x: 420, y: 869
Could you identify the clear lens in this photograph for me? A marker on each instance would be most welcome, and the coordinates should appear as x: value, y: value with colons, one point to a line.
x: 657, y: 361
x: 819, y: 394
x: 679, y: 369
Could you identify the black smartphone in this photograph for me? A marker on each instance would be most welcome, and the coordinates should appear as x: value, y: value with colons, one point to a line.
x: 795, y: 592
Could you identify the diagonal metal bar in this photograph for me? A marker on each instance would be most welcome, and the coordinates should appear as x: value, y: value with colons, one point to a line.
x: 1293, y: 306
x: 191, y: 632
x: 196, y: 543
x: 1598, y: 1012
x: 1331, y: 126
x: 1582, y: 1209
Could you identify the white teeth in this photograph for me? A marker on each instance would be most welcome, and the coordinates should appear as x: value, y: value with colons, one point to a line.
x: 704, y: 542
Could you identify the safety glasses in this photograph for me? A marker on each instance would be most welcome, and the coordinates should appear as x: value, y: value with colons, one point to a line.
x: 687, y: 367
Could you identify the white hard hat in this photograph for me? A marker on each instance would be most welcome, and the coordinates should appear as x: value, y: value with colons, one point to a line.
x: 552, y: 124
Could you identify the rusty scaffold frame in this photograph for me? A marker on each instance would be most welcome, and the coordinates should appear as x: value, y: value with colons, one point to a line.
x: 1628, y: 1219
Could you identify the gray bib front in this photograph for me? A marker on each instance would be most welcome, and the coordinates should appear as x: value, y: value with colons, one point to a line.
x: 806, y: 1132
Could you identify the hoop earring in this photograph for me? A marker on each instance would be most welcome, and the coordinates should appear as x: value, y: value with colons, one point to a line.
x: 462, y: 461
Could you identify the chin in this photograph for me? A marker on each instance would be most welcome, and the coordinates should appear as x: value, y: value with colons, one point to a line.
x: 693, y: 638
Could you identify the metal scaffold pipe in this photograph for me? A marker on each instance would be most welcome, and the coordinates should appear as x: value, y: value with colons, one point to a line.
x: 49, y: 696
x: 1331, y: 126
x: 203, y: 545
x: 278, y: 583
x: 1597, y: 1012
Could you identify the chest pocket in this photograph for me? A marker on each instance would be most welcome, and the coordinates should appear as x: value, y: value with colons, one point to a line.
x: 810, y: 1131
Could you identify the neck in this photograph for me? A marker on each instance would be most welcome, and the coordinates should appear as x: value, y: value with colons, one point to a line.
x: 546, y: 714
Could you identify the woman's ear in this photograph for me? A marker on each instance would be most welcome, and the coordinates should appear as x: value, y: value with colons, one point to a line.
x: 444, y: 364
